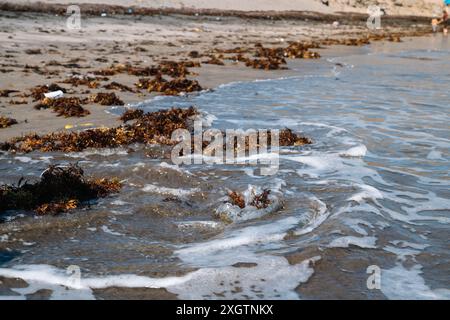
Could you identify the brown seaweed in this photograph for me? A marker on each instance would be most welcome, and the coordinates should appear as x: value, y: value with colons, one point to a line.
x: 5, y: 93
x: 261, y: 201
x: 131, y: 114
x: 150, y: 128
x: 106, y: 99
x: 60, y: 189
x: 67, y: 107
x: 172, y: 87
x: 236, y: 199
x: 214, y: 60
x: 118, y: 86
x: 289, y: 138
x: 6, y: 122
x: 90, y: 82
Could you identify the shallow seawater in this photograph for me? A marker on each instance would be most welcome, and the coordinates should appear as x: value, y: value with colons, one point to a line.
x: 371, y: 193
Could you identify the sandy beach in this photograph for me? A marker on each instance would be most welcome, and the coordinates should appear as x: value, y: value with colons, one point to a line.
x: 361, y: 172
x: 38, y: 49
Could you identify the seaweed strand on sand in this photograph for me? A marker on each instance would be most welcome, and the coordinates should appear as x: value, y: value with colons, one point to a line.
x: 150, y: 128
x: 6, y: 122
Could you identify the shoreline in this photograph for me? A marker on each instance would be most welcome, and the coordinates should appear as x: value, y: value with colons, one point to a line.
x: 310, y: 9
x: 141, y: 42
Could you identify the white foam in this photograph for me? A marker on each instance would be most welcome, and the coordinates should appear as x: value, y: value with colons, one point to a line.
x: 272, y: 278
x: 402, y: 283
x: 362, y: 242
x: 236, y: 245
x: 24, y: 159
x: 107, y: 230
x: 100, y: 152
x: 170, y: 191
x: 65, y: 286
x: 318, y: 215
x: 119, y: 202
x: 355, y: 225
x: 368, y: 192
x: 174, y: 167
x: 357, y: 151
x: 199, y: 225
x: 435, y: 155
x: 206, y: 118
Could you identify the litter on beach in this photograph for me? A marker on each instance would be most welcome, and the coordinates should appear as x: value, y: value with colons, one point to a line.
x: 54, y: 94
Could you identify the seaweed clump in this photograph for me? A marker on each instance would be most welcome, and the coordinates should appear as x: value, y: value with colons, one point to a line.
x: 6, y: 122
x: 150, y: 128
x: 259, y: 201
x: 60, y: 189
x: 131, y: 114
x: 118, y: 86
x: 6, y: 92
x: 236, y: 199
x: 172, y: 87
x: 289, y: 138
x: 89, y: 81
x: 106, y: 99
x: 67, y: 107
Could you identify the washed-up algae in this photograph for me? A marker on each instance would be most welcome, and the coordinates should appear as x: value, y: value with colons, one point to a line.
x: 172, y: 87
x: 106, y: 99
x: 60, y: 189
x: 67, y: 107
x: 6, y: 122
x: 151, y: 128
x: 259, y: 201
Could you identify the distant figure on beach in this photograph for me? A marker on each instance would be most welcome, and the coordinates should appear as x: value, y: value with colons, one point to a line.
x: 434, y: 24
x: 445, y: 21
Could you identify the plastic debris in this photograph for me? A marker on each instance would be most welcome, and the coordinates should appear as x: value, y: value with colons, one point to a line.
x: 54, y: 94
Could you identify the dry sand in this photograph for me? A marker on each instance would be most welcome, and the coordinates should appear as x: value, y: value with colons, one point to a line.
x: 141, y: 41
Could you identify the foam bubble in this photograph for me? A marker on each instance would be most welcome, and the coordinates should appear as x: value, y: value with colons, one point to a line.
x: 368, y: 192
x: 357, y: 151
x: 107, y: 230
x: 362, y: 242
x: 170, y: 191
